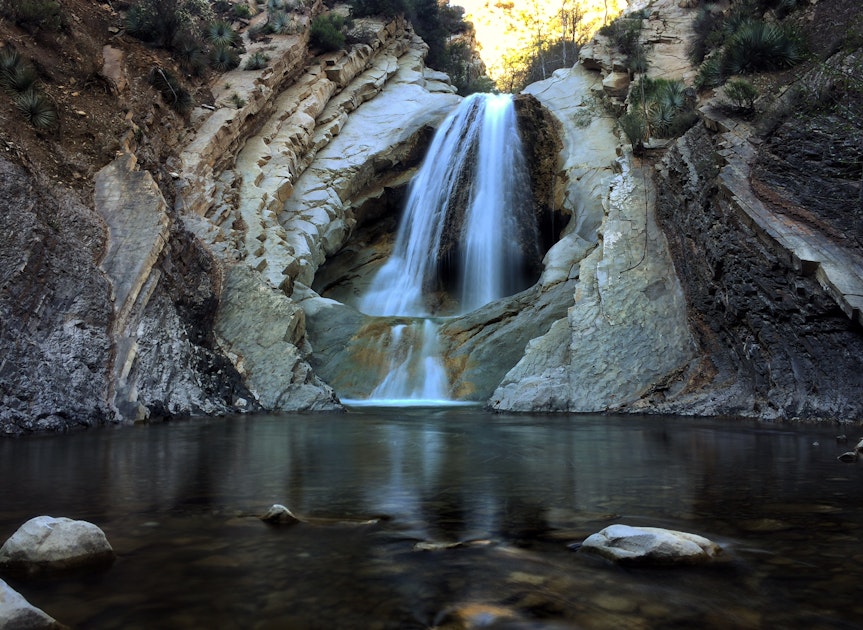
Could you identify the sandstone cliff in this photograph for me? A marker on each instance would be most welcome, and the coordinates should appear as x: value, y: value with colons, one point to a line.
x: 154, y: 299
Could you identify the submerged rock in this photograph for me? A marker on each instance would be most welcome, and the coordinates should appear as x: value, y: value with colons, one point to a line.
x: 280, y: 515
x: 16, y: 613
x: 650, y: 545
x: 46, y: 545
x: 477, y: 615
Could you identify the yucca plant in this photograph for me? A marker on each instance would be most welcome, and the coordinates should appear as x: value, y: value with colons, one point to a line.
x: 672, y: 93
x: 759, y: 45
x: 173, y: 93
x: 278, y: 22
x: 257, y: 61
x: 191, y: 53
x: 9, y: 60
x: 19, y: 77
x: 220, y: 34
x: 660, y: 115
x: 224, y: 58
x: 37, y: 108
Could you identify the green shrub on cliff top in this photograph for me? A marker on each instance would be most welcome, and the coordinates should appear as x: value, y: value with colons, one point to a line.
x: 162, y: 21
x: 326, y: 32
x: 172, y: 91
x: 741, y: 94
x: 35, y: 14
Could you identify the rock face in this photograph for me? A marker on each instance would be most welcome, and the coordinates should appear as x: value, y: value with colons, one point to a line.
x: 775, y: 328
x: 265, y: 331
x: 46, y: 544
x: 54, y: 309
x: 16, y: 613
x: 625, y: 331
x: 650, y: 546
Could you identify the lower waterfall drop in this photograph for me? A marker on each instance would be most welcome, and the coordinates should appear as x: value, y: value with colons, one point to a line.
x: 467, y: 223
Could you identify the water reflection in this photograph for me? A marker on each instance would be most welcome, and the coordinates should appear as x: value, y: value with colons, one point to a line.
x: 177, y: 501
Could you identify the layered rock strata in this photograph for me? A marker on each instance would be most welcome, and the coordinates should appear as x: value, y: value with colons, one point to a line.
x: 774, y: 304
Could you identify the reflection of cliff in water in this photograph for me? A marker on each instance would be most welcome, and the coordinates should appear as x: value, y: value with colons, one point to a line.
x: 179, y: 503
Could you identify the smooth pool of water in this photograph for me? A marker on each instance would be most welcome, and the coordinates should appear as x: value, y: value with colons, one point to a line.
x: 178, y: 503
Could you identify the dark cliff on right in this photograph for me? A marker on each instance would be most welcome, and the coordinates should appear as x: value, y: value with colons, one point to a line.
x: 762, y: 205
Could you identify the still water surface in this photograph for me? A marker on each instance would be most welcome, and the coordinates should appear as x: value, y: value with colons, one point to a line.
x: 178, y: 503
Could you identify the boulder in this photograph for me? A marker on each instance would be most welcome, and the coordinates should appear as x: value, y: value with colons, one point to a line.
x: 46, y: 544
x: 650, y: 546
x: 16, y: 613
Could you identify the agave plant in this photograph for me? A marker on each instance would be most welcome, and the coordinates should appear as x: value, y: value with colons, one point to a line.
x: 37, y: 108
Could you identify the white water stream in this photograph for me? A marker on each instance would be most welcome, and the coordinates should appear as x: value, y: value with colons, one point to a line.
x: 476, y: 146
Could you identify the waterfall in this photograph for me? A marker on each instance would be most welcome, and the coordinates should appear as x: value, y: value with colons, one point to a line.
x: 467, y: 221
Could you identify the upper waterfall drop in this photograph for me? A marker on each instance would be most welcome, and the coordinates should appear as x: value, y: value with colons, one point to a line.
x: 468, y: 221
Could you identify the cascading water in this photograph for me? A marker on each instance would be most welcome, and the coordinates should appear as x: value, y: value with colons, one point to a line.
x: 469, y: 211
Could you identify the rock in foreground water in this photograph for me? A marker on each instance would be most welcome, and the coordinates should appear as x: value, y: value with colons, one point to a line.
x: 46, y: 545
x: 280, y: 515
x: 16, y: 613
x: 650, y: 545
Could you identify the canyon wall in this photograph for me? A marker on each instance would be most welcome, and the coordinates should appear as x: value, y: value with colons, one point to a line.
x: 704, y: 280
